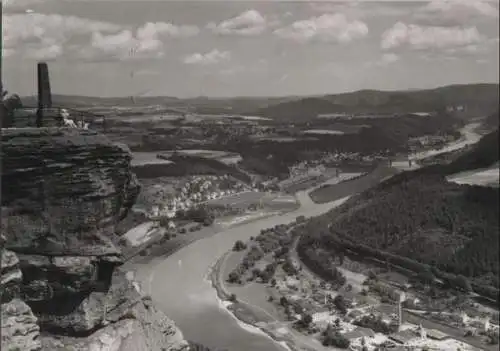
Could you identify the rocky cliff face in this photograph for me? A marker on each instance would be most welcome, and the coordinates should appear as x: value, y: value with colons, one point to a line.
x: 20, y: 330
x: 63, y: 192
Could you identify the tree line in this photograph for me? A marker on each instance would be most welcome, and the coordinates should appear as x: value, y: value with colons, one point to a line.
x: 422, y: 223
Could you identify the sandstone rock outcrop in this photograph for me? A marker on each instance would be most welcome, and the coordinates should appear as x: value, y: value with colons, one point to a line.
x: 63, y: 192
x: 20, y: 330
x: 123, y: 319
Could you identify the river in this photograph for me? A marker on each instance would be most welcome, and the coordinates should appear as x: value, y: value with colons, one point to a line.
x: 180, y: 287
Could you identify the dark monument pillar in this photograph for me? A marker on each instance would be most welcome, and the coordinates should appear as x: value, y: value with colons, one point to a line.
x: 44, y: 94
x: 2, y: 110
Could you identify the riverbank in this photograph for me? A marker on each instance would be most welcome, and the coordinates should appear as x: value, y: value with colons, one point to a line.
x: 157, y: 249
x: 247, y: 316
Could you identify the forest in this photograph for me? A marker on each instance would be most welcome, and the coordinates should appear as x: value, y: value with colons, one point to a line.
x: 421, y: 222
x: 188, y: 165
x: 387, y: 135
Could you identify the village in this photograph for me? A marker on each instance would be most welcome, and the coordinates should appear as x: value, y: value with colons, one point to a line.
x: 362, y: 309
x: 197, y: 190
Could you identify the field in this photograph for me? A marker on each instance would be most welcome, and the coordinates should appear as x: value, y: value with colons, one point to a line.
x: 221, y: 156
x: 485, y: 177
x: 342, y: 178
x: 243, y: 200
x: 324, y: 131
x: 333, y: 192
x: 147, y: 158
x: 302, y: 182
x: 280, y: 139
x: 146, y: 118
x: 230, y: 160
x: 254, y: 118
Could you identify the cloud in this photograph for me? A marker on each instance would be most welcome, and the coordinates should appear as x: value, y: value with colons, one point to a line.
x: 385, y: 60
x: 429, y: 37
x: 437, y: 57
x: 248, y: 23
x: 325, y: 28
x: 358, y: 9
x: 35, y: 34
x: 482, y: 61
x: 146, y: 43
x: 389, y: 58
x: 479, y: 48
x: 168, y: 29
x: 17, y: 4
x: 479, y: 52
x: 123, y: 46
x: 213, y: 57
x: 256, y: 67
x: 47, y: 53
x: 454, y: 12
x: 41, y: 36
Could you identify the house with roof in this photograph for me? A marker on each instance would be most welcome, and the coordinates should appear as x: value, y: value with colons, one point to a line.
x: 353, y: 315
x: 323, y: 319
x: 482, y: 324
x: 350, y: 298
x: 403, y: 337
x: 359, y: 333
x: 436, y: 334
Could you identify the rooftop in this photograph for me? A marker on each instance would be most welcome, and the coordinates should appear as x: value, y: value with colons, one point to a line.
x: 436, y: 334
x: 359, y: 333
x: 403, y: 336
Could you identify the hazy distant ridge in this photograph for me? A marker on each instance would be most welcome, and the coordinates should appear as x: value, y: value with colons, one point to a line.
x: 480, y: 96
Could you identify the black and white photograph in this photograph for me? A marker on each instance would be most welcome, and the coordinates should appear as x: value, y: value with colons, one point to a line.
x: 239, y: 175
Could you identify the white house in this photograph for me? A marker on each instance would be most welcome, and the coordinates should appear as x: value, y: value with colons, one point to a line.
x: 155, y: 211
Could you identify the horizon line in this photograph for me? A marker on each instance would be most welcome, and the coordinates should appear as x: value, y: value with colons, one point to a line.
x: 264, y: 97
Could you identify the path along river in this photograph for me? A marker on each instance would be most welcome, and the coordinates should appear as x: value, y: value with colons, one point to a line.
x: 179, y: 285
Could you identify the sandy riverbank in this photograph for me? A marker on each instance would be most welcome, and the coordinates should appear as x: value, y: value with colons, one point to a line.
x: 242, y: 313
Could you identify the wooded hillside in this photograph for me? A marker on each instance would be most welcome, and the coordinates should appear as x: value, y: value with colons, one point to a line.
x: 422, y: 222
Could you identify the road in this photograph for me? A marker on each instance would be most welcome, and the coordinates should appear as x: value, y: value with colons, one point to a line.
x: 469, y: 136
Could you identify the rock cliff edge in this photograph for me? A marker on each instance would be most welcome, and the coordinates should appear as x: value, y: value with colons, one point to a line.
x: 63, y: 192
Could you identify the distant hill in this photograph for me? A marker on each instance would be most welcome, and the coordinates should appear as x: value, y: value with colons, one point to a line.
x: 421, y: 222
x: 201, y: 105
x: 74, y: 101
x: 300, y: 109
x: 477, y: 98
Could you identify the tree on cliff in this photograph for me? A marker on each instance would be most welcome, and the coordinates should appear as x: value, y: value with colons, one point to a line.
x: 7, y: 107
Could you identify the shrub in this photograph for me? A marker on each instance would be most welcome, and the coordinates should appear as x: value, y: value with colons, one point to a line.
x: 239, y: 246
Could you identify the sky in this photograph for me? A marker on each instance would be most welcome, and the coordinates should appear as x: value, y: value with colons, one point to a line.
x: 247, y: 48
